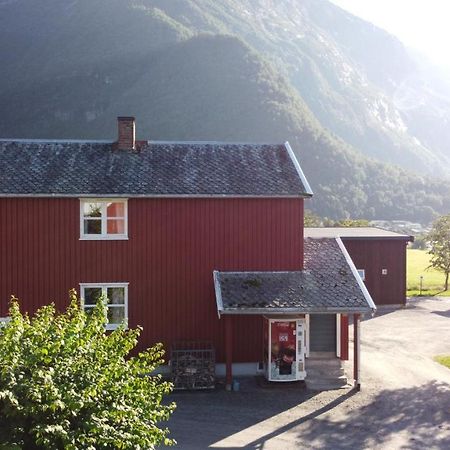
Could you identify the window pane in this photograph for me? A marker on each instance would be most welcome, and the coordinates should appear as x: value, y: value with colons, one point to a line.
x: 116, y: 226
x: 91, y: 295
x: 92, y: 209
x: 88, y: 311
x: 115, y: 209
x: 116, y: 295
x: 92, y: 226
x: 116, y: 314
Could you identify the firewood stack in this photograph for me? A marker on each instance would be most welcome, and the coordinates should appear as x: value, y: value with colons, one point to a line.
x: 193, y: 365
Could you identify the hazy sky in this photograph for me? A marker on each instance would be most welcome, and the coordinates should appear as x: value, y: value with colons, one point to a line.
x: 421, y: 24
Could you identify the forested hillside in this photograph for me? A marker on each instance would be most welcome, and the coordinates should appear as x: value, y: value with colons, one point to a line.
x: 93, y: 60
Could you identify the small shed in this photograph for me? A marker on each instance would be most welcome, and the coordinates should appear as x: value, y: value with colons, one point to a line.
x: 380, y: 257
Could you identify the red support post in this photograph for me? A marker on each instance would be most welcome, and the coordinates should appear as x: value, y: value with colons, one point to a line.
x: 228, y: 351
x: 356, y: 351
x: 344, y: 337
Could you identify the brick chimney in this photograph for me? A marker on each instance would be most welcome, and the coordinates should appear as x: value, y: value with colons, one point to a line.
x: 127, y: 133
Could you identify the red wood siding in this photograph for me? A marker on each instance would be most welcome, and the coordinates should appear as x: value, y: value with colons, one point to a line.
x: 373, y: 255
x: 173, y: 247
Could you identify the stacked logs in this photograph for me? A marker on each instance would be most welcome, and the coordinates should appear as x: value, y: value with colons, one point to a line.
x: 193, y: 365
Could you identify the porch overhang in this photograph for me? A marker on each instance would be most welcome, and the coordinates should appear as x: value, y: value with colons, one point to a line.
x: 329, y: 284
x: 287, y: 293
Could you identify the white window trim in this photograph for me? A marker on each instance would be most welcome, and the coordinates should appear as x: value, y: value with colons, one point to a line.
x: 103, y: 236
x: 362, y: 274
x: 307, y: 317
x: 338, y: 335
x: 104, y: 287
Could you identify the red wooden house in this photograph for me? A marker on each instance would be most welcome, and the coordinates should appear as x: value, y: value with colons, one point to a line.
x: 191, y: 240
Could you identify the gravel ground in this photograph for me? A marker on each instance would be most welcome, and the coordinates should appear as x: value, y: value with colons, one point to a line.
x: 404, y: 402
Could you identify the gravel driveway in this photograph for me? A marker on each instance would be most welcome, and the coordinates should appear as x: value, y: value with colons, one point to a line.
x: 404, y: 402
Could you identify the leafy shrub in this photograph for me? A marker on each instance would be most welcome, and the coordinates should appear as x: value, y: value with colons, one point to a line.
x: 66, y: 383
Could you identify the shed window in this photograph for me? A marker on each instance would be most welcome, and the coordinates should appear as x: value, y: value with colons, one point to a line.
x: 362, y: 274
x: 116, y: 295
x: 103, y: 219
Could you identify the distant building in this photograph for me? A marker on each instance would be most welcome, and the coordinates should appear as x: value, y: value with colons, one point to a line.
x: 401, y: 226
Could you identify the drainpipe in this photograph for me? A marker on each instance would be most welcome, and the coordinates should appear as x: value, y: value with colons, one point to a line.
x: 357, y: 351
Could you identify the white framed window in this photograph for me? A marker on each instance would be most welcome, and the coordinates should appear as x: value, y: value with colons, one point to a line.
x: 117, y: 301
x: 4, y: 320
x: 362, y: 274
x: 103, y: 219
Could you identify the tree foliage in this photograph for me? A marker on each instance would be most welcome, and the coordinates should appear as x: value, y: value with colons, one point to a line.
x: 439, y: 240
x: 347, y: 223
x: 420, y: 242
x: 312, y: 220
x: 66, y: 383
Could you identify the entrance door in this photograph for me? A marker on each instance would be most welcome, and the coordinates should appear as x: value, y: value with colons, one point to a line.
x: 323, y: 333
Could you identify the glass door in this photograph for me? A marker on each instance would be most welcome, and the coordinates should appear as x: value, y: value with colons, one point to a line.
x: 283, y: 351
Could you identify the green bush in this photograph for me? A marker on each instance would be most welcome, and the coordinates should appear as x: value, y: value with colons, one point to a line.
x: 67, y: 384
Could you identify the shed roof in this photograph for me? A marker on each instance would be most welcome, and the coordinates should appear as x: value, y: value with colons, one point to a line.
x: 97, y: 168
x: 328, y: 284
x: 354, y: 233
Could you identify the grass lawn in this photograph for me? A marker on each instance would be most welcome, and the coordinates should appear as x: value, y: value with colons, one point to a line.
x: 433, y: 281
x: 443, y: 359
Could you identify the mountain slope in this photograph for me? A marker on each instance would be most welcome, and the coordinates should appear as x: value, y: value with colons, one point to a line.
x: 188, y: 88
x: 358, y: 80
x: 350, y: 73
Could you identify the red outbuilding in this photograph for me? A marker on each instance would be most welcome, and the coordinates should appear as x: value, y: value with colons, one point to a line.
x: 379, y: 256
x: 194, y: 241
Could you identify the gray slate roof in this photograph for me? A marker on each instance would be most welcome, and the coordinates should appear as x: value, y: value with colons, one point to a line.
x: 328, y: 284
x: 355, y: 233
x: 79, y: 168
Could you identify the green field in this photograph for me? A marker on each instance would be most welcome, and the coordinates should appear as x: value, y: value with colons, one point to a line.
x: 433, y: 281
x: 443, y: 359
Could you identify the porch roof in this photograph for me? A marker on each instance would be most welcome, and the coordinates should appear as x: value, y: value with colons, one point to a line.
x: 329, y: 284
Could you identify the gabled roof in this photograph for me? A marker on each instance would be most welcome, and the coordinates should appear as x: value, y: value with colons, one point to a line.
x: 328, y: 284
x: 97, y: 168
x: 355, y: 233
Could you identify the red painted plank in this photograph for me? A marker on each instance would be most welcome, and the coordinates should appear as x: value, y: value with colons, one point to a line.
x: 373, y: 255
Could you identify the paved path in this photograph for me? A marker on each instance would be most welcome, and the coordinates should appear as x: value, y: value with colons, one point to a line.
x: 404, y: 402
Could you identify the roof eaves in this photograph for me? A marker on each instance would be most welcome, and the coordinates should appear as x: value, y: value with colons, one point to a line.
x: 134, y: 195
x: 405, y: 237
x: 309, y: 192
x: 302, y: 310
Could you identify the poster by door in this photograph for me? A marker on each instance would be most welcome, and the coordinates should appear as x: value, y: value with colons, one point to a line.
x: 283, y: 351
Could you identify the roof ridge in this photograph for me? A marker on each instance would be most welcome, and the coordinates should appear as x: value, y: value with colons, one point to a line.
x: 57, y: 141
x: 148, y: 141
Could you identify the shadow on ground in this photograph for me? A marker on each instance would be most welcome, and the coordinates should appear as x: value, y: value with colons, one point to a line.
x: 420, y: 414
x: 442, y: 313
x: 205, y: 417
x: 338, y: 420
